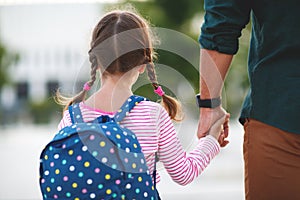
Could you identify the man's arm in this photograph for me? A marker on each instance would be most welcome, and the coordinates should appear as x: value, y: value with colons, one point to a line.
x: 213, y: 69
x: 223, y: 24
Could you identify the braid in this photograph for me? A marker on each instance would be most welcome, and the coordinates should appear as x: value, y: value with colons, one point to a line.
x: 152, y: 75
x: 94, y: 68
x: 172, y: 106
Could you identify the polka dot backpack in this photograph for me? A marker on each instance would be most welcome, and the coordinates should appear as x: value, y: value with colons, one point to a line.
x: 96, y: 160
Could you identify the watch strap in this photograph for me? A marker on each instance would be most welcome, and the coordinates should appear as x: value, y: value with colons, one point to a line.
x: 208, y: 103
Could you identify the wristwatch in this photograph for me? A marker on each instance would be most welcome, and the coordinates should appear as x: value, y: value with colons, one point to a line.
x: 208, y: 103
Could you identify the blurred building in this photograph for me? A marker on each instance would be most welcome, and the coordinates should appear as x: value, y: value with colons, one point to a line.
x: 52, y: 41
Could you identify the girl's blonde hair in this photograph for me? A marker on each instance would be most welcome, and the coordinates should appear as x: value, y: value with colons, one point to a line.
x: 121, y: 41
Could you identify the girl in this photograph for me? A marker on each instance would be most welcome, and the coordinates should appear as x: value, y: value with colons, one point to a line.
x: 121, y: 49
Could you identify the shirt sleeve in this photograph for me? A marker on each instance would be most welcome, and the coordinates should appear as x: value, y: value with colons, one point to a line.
x: 183, y: 167
x: 223, y: 23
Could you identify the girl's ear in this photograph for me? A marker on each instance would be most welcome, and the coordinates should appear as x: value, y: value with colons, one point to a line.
x: 142, y: 68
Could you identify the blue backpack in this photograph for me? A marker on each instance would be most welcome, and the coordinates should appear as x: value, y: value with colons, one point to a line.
x: 96, y: 160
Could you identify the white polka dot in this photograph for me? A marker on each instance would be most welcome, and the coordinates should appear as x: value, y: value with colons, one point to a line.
x: 128, y: 186
x: 84, y: 148
x: 104, y: 126
x: 89, y: 181
x: 115, y: 129
x: 104, y: 160
x: 127, y: 150
x: 142, y: 161
x: 124, y: 132
x: 145, y: 194
x: 46, y: 172
x: 72, y: 168
x: 59, y: 188
x: 56, y: 156
x: 92, y: 195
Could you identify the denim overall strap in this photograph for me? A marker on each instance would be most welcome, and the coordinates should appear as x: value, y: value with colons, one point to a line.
x: 128, y: 106
x: 75, y: 114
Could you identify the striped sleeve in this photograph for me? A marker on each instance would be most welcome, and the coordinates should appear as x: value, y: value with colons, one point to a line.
x: 183, y: 167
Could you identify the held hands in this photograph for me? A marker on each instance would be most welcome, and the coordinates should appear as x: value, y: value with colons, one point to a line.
x: 214, y: 122
x: 219, y: 130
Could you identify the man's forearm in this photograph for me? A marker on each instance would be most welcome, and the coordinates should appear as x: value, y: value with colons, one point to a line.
x: 213, y: 69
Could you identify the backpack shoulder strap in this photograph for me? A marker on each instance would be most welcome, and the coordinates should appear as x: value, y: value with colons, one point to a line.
x: 128, y: 106
x: 75, y: 113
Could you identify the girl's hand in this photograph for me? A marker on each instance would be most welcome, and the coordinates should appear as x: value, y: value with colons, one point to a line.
x: 220, y: 129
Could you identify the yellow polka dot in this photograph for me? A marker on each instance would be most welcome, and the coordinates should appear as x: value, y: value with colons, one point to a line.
x: 120, y: 110
x: 86, y: 164
x: 48, y: 189
x: 108, y: 191
x: 46, y: 157
x: 76, y: 198
x: 133, y: 165
x: 135, y: 146
x: 102, y: 144
x: 136, y: 103
x: 118, y: 136
x: 107, y: 176
x: 70, y: 152
x: 57, y: 171
x: 140, y: 179
x: 152, y: 188
x: 74, y: 185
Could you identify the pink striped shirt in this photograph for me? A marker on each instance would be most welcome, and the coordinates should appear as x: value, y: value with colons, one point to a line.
x: 156, y: 133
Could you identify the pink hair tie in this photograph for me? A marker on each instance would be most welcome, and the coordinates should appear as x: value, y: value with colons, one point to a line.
x: 159, y: 91
x: 86, y: 87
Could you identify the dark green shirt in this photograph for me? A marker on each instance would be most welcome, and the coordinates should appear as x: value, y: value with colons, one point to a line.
x: 274, y: 55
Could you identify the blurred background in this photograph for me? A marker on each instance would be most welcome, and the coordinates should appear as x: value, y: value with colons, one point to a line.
x: 43, y: 47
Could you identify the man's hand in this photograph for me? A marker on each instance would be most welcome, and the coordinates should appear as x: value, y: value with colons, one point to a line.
x: 208, y: 117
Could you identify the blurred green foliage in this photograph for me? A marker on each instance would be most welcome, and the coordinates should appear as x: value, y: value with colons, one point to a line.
x: 179, y: 16
x: 7, y: 58
x: 43, y: 112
